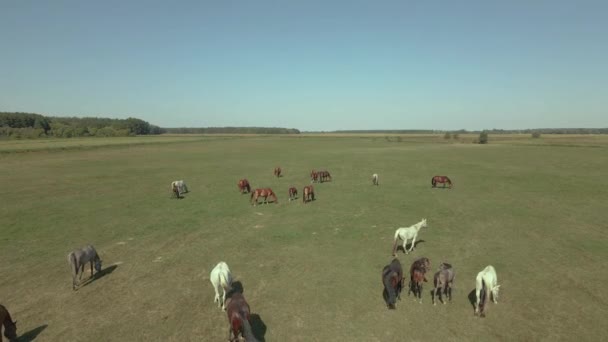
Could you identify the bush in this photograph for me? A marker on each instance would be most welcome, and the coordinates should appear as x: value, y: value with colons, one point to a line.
x: 535, y: 135
x: 447, y: 136
x: 455, y: 136
x: 483, y: 137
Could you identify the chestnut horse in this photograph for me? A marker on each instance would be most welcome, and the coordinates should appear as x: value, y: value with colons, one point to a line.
x: 392, y: 279
x: 244, y: 186
x: 265, y: 192
x: 314, y: 176
x: 443, y: 281
x: 324, y: 176
x: 238, y: 317
x: 441, y: 180
x: 293, y: 194
x: 10, y: 327
x: 309, y: 194
x: 277, y: 171
x: 417, y: 277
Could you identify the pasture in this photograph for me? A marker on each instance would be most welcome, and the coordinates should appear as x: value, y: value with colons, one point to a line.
x: 535, y: 209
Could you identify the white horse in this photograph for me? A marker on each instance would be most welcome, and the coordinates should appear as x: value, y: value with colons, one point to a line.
x: 375, y: 178
x: 221, y: 278
x: 181, y: 186
x: 486, y: 281
x: 406, y: 234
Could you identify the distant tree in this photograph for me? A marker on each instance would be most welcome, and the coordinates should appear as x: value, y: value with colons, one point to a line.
x: 455, y: 136
x: 447, y: 136
x: 536, y: 134
x: 483, y: 137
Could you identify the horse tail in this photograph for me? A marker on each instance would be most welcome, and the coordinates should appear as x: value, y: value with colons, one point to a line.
x: 433, y: 181
x: 225, y: 280
x: 73, y: 267
x: 395, y: 241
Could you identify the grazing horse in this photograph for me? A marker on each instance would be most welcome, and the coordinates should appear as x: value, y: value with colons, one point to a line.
x: 244, y: 186
x: 324, y: 176
x: 406, y: 234
x: 309, y: 194
x: 375, y: 179
x: 417, y: 277
x: 78, y: 259
x: 314, y: 176
x: 441, y: 180
x: 175, y: 190
x: 10, y: 327
x: 266, y: 192
x: 392, y: 279
x: 485, y: 283
x: 238, y: 317
x: 277, y: 171
x: 181, y: 187
x: 221, y: 278
x: 443, y: 282
x: 293, y: 194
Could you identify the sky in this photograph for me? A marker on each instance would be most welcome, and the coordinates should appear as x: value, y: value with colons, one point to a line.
x: 311, y: 65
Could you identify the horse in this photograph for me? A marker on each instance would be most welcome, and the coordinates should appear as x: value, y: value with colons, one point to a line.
x: 175, y: 190
x: 485, y: 283
x: 375, y: 179
x: 181, y: 186
x: 277, y: 171
x: 293, y: 194
x: 392, y: 279
x: 314, y: 176
x: 10, y: 327
x: 309, y: 194
x: 440, y: 180
x: 406, y: 234
x: 221, y: 277
x: 78, y: 258
x: 443, y: 282
x: 324, y: 176
x: 238, y: 317
x: 417, y: 277
x: 244, y: 186
x: 265, y: 192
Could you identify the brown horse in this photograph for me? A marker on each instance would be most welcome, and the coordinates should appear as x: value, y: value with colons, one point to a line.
x: 238, y: 317
x: 392, y: 279
x: 441, y: 180
x: 293, y: 194
x: 417, y: 277
x: 265, y: 192
x: 324, y: 176
x: 10, y: 327
x: 244, y: 186
x: 309, y: 194
x: 277, y: 171
x: 443, y: 281
x: 314, y: 176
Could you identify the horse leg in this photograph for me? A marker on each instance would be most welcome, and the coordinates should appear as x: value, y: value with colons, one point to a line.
x: 477, y: 291
x: 405, y: 244
x: 224, y: 300
x: 413, y: 243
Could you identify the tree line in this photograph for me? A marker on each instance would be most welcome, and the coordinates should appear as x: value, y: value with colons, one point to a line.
x: 492, y: 131
x: 30, y: 125
x: 232, y: 130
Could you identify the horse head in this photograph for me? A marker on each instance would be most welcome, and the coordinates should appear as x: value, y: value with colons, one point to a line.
x: 10, y: 329
x: 495, y: 292
x: 98, y: 265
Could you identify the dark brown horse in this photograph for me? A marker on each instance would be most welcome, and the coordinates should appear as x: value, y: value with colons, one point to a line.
x: 10, y: 327
x: 314, y: 176
x: 441, y: 180
x: 324, y: 176
x: 265, y: 192
x: 238, y: 317
x: 392, y: 279
x: 293, y: 194
x: 244, y: 186
x: 309, y: 194
x: 417, y: 277
x: 277, y: 171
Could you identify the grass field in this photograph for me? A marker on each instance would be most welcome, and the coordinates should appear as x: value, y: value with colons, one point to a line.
x: 536, y: 209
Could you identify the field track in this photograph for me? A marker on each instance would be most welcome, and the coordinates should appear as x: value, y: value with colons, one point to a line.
x: 535, y: 209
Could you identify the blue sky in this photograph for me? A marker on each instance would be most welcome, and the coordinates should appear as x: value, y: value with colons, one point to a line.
x: 311, y: 65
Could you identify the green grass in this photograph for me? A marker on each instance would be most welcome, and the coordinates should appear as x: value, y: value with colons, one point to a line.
x: 533, y: 209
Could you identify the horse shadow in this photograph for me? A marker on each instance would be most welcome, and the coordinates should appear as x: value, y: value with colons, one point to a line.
x: 408, y: 246
x: 32, y: 334
x: 472, y: 298
x: 99, y: 275
x: 258, y: 327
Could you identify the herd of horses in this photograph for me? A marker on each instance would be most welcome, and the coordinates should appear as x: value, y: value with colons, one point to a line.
x: 237, y: 308
x: 486, y: 282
